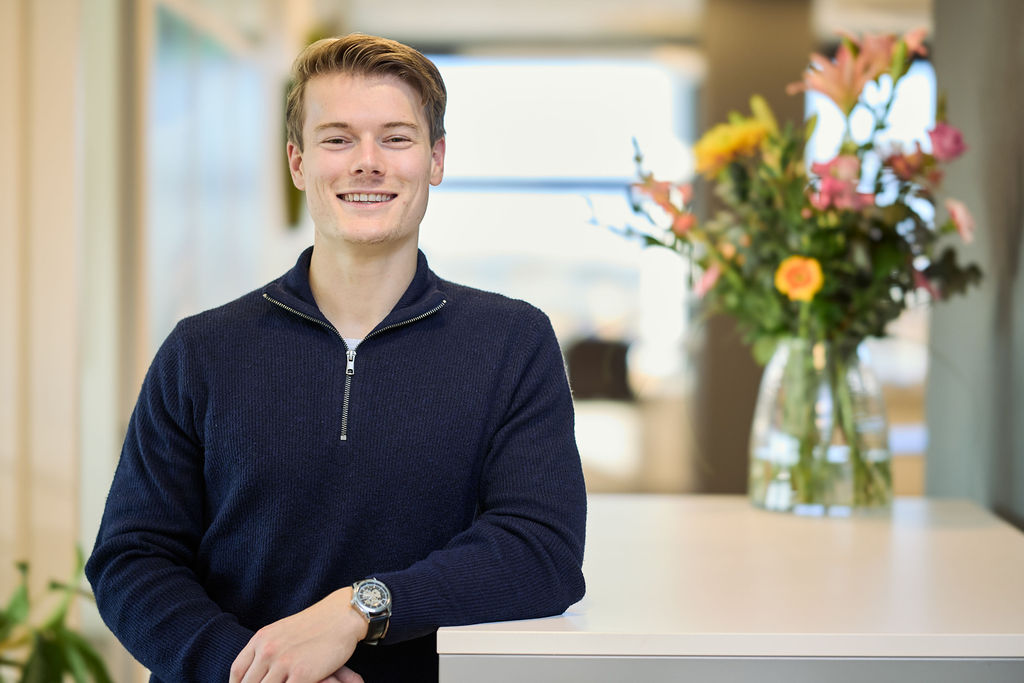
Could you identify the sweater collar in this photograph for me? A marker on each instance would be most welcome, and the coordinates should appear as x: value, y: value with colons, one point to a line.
x: 422, y: 296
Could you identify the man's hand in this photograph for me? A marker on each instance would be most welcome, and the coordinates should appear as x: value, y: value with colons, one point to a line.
x: 308, y: 647
x: 344, y: 675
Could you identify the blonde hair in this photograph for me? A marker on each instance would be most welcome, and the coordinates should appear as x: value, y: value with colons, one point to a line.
x: 364, y: 55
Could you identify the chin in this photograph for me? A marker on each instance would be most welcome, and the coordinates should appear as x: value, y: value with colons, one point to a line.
x: 374, y: 237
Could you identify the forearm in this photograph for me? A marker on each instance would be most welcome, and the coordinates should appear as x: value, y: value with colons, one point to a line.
x: 162, y: 615
x: 493, y: 574
x: 522, y: 556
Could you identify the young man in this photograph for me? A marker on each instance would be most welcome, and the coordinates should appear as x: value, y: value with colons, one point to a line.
x: 357, y: 453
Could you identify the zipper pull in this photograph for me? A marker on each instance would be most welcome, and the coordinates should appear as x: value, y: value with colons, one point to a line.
x: 350, y: 367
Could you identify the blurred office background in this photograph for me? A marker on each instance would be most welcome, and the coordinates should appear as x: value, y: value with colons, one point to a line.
x: 143, y: 179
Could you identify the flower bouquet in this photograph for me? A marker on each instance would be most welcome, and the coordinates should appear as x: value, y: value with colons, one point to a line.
x: 811, y: 261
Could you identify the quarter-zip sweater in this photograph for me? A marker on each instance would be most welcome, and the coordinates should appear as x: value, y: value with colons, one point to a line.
x: 266, y: 465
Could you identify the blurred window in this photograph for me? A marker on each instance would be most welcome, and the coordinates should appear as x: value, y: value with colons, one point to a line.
x: 539, y: 156
x: 205, y: 159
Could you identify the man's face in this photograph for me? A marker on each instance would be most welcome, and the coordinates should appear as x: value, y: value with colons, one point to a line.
x: 367, y: 160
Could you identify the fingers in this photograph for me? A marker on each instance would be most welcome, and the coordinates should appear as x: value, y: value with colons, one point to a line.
x: 248, y: 667
x: 344, y: 675
x: 242, y: 663
x: 347, y: 675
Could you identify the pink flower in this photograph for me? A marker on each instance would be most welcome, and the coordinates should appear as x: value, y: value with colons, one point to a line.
x: 844, y: 167
x: 906, y: 166
x: 876, y: 52
x: 934, y: 177
x: 924, y: 283
x: 947, y: 142
x: 841, y: 80
x: 880, y: 49
x: 707, y: 280
x: 915, y: 42
x: 838, y: 186
x: 856, y: 63
x: 962, y: 219
x: 840, y: 194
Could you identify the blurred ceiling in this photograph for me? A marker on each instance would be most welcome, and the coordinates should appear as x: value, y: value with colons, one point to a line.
x: 469, y: 23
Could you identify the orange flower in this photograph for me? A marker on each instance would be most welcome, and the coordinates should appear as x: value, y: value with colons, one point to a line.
x: 799, y: 278
x: 683, y: 223
x: 662, y: 192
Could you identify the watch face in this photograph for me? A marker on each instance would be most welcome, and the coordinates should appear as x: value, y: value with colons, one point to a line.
x: 373, y: 595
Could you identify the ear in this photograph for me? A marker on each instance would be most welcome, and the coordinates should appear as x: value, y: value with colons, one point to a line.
x: 437, y: 162
x: 295, y: 166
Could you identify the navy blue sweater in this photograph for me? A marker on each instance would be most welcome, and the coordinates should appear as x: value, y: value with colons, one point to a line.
x: 264, y: 469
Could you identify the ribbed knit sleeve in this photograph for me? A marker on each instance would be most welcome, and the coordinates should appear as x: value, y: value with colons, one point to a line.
x: 142, y: 566
x: 522, y: 556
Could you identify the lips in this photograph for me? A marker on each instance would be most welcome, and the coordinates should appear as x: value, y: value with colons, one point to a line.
x: 366, y: 197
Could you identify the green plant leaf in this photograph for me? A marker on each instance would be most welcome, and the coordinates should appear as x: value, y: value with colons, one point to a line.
x: 809, y: 126
x: 89, y: 657
x: 899, y: 62
x: 763, y: 349
x: 45, y: 662
x: 60, y: 613
x: 76, y: 663
x: 16, y: 611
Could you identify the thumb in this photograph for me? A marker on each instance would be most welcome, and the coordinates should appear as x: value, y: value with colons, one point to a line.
x: 344, y: 675
x: 347, y: 675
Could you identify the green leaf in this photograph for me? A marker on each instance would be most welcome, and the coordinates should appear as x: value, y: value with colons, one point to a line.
x: 899, y: 62
x: 89, y: 657
x: 56, y: 619
x: 76, y: 663
x: 851, y: 46
x: 809, y: 127
x: 17, y: 608
x: 764, y: 348
x: 45, y: 662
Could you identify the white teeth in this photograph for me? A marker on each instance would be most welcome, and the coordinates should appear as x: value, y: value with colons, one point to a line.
x: 367, y: 197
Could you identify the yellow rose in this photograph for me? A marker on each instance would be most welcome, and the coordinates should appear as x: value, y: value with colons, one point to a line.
x: 799, y: 278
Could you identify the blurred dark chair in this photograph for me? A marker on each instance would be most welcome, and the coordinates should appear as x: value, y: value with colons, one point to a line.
x: 597, y: 370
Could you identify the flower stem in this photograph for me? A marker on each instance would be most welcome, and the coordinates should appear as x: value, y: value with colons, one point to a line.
x: 844, y: 417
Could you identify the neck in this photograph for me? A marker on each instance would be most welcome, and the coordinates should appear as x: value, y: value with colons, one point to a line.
x: 355, y: 288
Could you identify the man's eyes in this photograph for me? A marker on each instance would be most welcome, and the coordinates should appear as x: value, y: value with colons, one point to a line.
x: 391, y: 140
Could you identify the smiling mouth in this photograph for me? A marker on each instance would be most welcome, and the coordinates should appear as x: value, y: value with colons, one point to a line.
x: 366, y: 197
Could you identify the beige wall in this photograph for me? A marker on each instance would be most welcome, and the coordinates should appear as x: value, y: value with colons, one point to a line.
x: 40, y: 242
x: 11, y: 409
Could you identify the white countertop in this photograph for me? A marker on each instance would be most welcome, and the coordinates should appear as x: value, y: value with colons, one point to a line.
x: 713, y: 576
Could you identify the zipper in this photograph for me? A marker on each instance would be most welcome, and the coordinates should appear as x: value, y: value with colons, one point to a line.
x: 350, y: 354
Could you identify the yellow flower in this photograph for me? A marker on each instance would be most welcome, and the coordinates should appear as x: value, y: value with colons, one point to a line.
x: 726, y: 141
x: 799, y: 278
x: 763, y: 113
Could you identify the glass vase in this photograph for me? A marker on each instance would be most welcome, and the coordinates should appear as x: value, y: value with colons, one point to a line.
x: 819, y: 442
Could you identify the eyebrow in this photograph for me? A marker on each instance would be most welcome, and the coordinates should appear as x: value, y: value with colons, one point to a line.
x: 345, y: 126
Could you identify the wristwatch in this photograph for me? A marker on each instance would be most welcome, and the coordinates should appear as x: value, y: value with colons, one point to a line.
x: 373, y: 600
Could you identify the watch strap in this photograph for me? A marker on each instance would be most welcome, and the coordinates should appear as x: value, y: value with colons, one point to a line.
x: 377, y: 628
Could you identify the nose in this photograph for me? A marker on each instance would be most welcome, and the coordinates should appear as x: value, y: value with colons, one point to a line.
x: 367, y: 160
